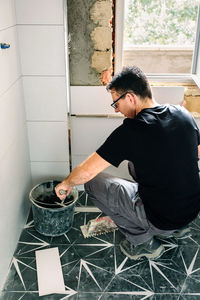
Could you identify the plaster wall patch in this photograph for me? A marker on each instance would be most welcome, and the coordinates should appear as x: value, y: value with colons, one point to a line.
x: 101, y: 60
x: 101, y: 12
x: 102, y: 38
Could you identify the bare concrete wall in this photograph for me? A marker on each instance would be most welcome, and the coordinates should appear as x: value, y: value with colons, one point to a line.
x: 90, y: 40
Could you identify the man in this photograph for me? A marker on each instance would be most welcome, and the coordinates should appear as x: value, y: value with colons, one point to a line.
x: 161, y: 143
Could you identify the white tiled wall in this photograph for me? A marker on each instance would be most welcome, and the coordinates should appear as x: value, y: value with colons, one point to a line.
x: 39, y: 12
x: 40, y: 101
x: 7, y: 14
x: 15, y: 175
x: 41, y: 40
x: 49, y: 170
x: 9, y: 59
x: 89, y: 133
x: 48, y: 141
x: 96, y: 100
x: 42, y: 49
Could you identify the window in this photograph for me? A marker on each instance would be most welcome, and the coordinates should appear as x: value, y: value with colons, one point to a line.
x: 159, y: 37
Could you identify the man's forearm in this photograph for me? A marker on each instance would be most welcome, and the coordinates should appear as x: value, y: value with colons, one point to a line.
x: 88, y: 169
x: 78, y: 176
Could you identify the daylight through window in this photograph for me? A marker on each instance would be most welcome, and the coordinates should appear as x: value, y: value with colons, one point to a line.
x: 159, y: 35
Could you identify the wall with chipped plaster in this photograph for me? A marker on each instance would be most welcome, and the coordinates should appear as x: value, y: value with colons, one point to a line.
x: 90, y: 40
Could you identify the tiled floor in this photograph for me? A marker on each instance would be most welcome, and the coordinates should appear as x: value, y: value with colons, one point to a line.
x: 95, y: 268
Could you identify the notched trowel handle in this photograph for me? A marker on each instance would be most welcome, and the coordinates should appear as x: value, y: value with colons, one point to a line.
x: 62, y: 192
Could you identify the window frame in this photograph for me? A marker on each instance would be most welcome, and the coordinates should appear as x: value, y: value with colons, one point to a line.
x: 192, y: 77
x: 196, y: 55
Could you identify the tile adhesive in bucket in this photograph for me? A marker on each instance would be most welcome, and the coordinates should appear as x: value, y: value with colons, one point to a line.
x: 51, y: 216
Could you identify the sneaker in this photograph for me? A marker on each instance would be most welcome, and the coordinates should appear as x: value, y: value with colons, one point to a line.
x: 151, y: 249
x: 182, y: 233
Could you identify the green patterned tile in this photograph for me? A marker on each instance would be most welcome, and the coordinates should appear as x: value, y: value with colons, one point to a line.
x: 95, y: 268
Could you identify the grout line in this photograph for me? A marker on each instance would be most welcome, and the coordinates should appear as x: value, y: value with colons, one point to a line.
x: 10, y: 86
x: 42, y: 75
x: 87, y: 209
x: 49, y: 161
x: 33, y: 24
x: 49, y: 121
x: 8, y: 27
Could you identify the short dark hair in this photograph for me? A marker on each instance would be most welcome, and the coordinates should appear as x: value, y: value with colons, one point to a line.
x: 131, y: 79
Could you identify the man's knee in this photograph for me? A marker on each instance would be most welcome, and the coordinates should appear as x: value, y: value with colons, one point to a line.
x: 90, y: 185
x: 96, y: 184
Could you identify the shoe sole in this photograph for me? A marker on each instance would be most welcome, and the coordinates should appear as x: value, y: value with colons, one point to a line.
x: 153, y: 255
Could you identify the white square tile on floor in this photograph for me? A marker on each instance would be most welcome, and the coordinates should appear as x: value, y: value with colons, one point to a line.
x: 49, y: 272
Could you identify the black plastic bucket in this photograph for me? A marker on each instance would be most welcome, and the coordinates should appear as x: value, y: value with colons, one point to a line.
x: 51, y: 218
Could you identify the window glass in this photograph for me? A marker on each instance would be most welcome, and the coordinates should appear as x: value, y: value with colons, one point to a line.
x: 159, y: 35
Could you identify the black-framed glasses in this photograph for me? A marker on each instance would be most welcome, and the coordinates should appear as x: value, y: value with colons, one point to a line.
x: 114, y: 103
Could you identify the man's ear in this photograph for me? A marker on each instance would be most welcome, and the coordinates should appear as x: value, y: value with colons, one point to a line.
x: 132, y: 98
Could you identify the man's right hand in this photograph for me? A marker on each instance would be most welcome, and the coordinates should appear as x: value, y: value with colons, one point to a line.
x: 63, y: 186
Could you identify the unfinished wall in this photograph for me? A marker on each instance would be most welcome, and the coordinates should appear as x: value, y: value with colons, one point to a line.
x: 90, y: 47
x: 90, y: 41
x: 192, y: 99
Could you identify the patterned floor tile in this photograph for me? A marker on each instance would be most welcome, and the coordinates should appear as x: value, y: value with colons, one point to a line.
x: 33, y: 296
x: 94, y: 268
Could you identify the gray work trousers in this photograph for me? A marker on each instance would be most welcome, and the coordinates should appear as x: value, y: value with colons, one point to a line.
x: 118, y: 198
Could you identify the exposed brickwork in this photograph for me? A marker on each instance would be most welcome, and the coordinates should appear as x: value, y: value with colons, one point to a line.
x: 101, y: 36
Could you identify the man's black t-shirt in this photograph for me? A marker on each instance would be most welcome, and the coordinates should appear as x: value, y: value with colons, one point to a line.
x: 162, y: 142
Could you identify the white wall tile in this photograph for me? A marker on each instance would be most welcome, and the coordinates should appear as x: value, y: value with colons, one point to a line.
x: 90, y: 100
x: 168, y: 94
x: 89, y: 133
x: 45, y: 98
x: 9, y: 59
x: 42, y: 50
x: 15, y: 183
x: 48, y: 141
x: 12, y: 117
x: 39, y: 12
x: 7, y: 14
x: 44, y: 171
x: 96, y: 100
x: 15, y: 172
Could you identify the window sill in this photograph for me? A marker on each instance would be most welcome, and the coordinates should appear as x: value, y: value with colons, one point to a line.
x: 174, y: 78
